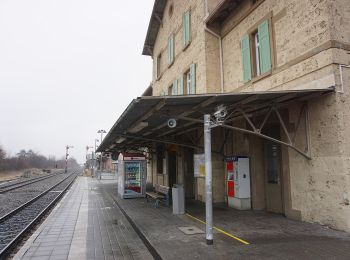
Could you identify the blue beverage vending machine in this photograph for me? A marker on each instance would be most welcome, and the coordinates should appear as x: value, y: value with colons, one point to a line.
x: 132, y: 175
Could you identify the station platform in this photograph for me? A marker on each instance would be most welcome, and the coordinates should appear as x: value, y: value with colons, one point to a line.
x: 92, y: 222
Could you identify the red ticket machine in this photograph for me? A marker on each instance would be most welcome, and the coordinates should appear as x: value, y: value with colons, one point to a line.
x: 230, y: 179
x: 238, y: 182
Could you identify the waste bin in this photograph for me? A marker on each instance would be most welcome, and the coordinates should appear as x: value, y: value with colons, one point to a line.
x: 178, y: 199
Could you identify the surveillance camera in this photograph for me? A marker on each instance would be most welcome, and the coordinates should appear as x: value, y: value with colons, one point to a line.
x: 172, y: 123
x: 220, y: 112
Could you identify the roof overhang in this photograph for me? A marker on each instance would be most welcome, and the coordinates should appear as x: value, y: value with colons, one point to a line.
x: 222, y: 11
x: 144, y: 122
x: 153, y: 26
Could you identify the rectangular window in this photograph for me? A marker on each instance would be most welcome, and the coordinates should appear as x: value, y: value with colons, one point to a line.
x: 192, y: 85
x: 180, y: 87
x: 273, y: 166
x: 158, y: 65
x: 186, y: 29
x: 175, y: 88
x: 187, y: 81
x: 171, y: 49
x: 190, y: 80
x: 257, y: 53
x: 170, y: 90
x: 256, y: 56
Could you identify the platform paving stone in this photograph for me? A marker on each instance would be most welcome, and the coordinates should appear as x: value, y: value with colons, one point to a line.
x: 84, y: 225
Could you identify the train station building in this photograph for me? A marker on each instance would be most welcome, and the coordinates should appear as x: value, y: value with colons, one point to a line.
x: 275, y: 78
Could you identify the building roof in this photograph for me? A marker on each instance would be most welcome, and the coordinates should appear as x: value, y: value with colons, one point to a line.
x: 144, y: 122
x: 153, y: 26
x: 222, y: 11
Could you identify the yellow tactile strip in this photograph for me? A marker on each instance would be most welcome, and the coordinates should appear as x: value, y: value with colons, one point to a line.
x: 220, y: 230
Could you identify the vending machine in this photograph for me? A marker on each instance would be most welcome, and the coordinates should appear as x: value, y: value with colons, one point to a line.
x: 238, y: 182
x: 132, y: 175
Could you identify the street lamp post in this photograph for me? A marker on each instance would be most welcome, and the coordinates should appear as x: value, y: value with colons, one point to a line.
x: 96, y: 141
x: 87, y: 159
x: 94, y: 158
x: 67, y: 154
x: 101, y: 131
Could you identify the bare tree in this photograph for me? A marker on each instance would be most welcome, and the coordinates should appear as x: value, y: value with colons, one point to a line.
x: 30, y: 159
x: 2, y: 153
x: 2, y: 158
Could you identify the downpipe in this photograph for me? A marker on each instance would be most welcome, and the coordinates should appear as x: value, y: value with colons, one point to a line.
x: 341, y: 66
x: 220, y: 55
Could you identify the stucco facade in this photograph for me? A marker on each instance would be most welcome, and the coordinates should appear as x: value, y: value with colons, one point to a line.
x: 309, y: 40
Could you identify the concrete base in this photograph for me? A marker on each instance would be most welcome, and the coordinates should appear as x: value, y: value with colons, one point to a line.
x: 241, y: 204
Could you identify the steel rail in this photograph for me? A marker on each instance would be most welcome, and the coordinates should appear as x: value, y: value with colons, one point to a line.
x: 14, y: 211
x: 14, y: 186
x: 5, y: 251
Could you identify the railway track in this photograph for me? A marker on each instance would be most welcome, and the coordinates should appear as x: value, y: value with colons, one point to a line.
x: 12, y: 186
x: 15, y: 224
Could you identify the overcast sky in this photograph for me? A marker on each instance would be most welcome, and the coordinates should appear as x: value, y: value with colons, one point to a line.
x: 67, y: 69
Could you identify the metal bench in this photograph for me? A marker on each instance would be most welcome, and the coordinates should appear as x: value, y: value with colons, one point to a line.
x: 160, y: 193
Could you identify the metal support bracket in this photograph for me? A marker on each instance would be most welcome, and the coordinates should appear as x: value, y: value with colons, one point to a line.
x: 257, y: 130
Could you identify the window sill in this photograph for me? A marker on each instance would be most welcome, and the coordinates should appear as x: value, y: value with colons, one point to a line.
x: 186, y: 46
x: 262, y: 76
x: 159, y: 77
x: 171, y: 64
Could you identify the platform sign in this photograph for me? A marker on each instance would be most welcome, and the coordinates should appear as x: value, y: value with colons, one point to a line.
x: 199, y: 165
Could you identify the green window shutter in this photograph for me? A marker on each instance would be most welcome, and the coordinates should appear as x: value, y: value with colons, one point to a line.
x: 246, y: 62
x: 181, y: 85
x: 175, y: 90
x: 264, y: 49
x: 169, y: 50
x: 193, y: 79
x: 186, y: 28
x: 172, y: 48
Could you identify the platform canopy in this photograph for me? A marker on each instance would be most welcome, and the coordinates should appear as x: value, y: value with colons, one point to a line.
x: 144, y: 123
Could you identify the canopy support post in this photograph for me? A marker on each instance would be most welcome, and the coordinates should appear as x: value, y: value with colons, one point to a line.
x: 208, y: 181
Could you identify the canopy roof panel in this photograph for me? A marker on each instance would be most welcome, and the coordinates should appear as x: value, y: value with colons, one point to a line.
x: 144, y: 121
